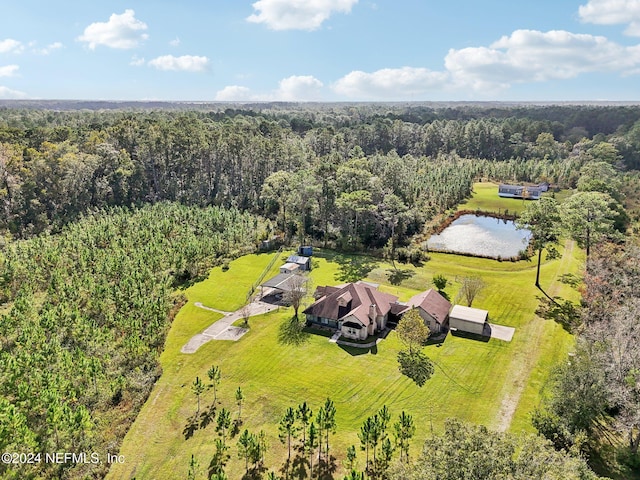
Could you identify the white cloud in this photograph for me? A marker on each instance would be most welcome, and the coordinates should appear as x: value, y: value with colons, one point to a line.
x: 121, y: 31
x: 8, y: 70
x: 235, y: 93
x: 186, y: 63
x: 8, y: 93
x: 297, y: 14
x: 613, y: 12
x: 49, y: 48
x: 525, y: 56
x: 297, y: 88
x: 391, y: 83
x: 10, y: 45
x: 137, y: 61
x: 533, y: 56
x: 175, y: 42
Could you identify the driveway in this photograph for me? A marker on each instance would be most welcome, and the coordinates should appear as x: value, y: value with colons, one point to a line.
x: 223, y: 329
x: 499, y: 332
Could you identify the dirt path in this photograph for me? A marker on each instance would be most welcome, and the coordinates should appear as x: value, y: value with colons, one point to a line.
x: 200, y: 305
x: 521, y: 367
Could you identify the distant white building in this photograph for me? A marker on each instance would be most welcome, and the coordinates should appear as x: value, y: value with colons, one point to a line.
x: 521, y: 191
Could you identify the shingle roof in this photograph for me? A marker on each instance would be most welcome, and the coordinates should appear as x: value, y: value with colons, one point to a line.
x: 433, y: 303
x: 362, y: 296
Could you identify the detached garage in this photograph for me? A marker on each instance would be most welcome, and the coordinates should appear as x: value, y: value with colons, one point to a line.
x: 467, y: 319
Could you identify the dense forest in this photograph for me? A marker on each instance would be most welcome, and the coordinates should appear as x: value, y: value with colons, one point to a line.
x: 91, y: 307
x: 343, y: 175
x: 104, y: 214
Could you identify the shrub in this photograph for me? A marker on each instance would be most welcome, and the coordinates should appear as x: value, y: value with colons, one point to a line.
x: 403, y: 255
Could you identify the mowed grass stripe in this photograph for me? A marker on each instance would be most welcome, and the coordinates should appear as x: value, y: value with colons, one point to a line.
x: 274, y: 376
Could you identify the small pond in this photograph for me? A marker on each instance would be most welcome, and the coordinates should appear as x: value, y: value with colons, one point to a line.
x: 481, y: 236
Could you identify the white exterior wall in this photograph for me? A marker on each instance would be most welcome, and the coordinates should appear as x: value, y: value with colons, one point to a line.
x: 434, y: 327
x: 467, y: 319
x: 350, y: 332
x: 354, y: 333
x: 466, y: 326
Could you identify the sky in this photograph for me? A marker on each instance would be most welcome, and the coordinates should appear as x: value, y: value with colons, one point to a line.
x: 321, y: 50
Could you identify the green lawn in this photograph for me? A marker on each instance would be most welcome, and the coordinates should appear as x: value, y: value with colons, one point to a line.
x: 483, y: 382
x: 485, y: 197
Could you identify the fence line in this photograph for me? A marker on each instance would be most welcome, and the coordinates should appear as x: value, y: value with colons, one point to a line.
x: 264, y: 273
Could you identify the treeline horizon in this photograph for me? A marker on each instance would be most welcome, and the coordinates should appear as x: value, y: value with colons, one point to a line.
x: 351, y: 175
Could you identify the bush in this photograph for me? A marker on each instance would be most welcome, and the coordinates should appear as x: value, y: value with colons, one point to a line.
x: 628, y: 458
x: 440, y: 282
x: 417, y: 257
x: 403, y: 255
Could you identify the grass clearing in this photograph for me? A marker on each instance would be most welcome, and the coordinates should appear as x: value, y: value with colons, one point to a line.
x: 471, y: 381
x: 485, y: 197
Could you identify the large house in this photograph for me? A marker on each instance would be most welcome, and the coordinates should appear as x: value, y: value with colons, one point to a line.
x: 356, y: 309
x: 360, y: 309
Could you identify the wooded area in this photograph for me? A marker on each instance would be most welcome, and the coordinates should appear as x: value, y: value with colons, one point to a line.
x: 348, y: 175
x: 91, y: 307
x: 104, y: 214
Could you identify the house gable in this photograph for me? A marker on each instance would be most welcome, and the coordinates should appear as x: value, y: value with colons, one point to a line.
x: 360, y: 302
x: 433, y: 308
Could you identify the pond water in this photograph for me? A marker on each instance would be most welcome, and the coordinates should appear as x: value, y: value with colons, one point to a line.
x: 482, y: 236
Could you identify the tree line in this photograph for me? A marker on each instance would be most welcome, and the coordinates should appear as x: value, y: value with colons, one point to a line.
x: 593, y: 402
x: 356, y: 177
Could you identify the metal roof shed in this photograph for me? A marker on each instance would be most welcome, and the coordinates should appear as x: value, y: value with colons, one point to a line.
x: 467, y: 319
x: 282, y: 282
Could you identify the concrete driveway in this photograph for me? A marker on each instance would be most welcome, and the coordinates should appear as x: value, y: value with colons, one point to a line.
x: 500, y: 332
x: 223, y: 329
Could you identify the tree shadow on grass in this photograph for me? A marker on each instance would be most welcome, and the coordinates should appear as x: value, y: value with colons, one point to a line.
x: 299, y: 467
x: 207, y: 416
x: 397, y: 276
x: 192, y: 425
x: 352, y: 268
x: 292, y: 332
x: 326, y: 470
x: 198, y: 421
x: 564, y: 312
x: 570, y: 279
x: 255, y: 473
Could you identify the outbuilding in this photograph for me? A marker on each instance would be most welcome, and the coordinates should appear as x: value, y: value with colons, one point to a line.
x: 289, y: 267
x: 303, y: 262
x: 468, y: 320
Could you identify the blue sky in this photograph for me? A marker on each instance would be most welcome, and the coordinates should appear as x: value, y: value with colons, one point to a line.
x: 321, y: 50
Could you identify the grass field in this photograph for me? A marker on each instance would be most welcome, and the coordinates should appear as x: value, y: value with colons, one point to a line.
x: 494, y: 383
x: 485, y: 197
